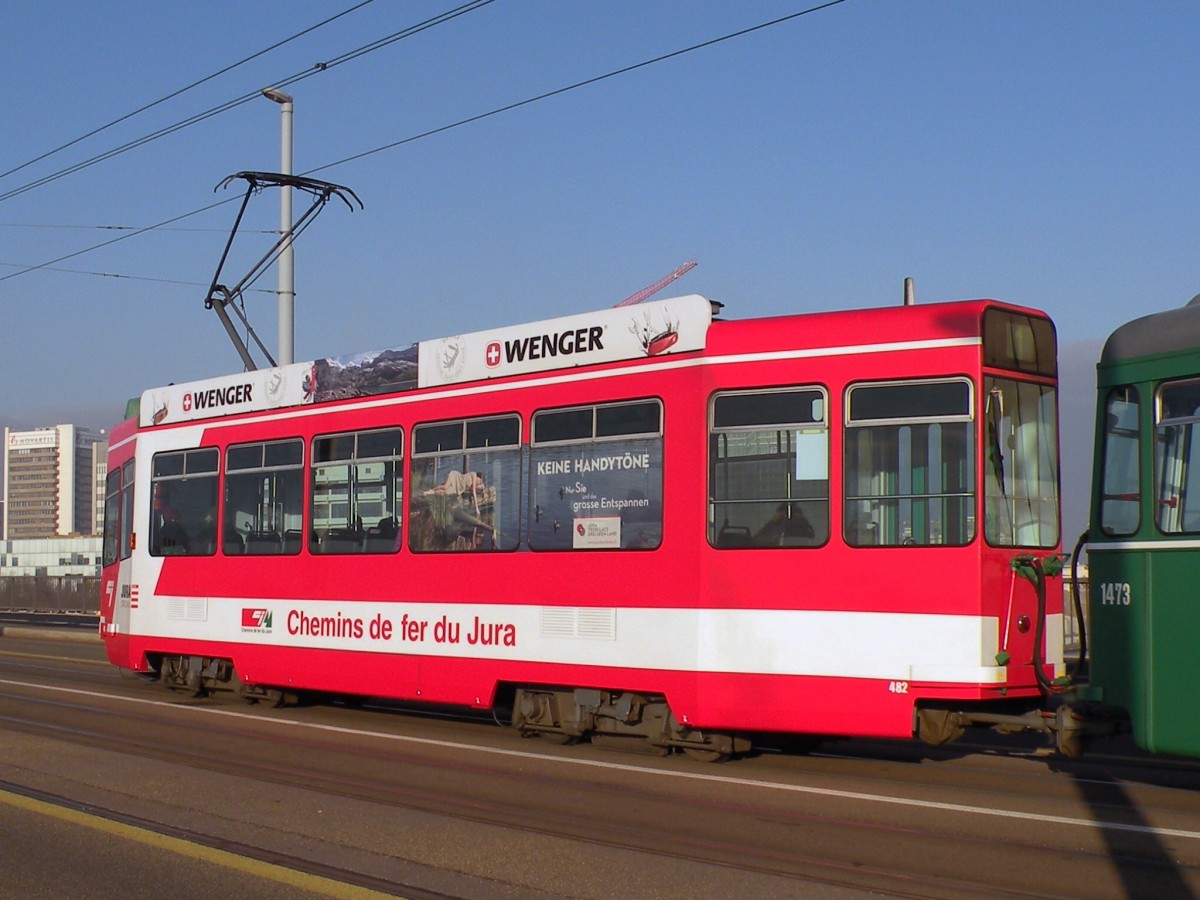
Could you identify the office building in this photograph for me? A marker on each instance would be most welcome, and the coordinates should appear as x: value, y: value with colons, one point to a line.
x: 50, y: 482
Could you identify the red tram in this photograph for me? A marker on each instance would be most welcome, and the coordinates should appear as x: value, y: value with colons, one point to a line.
x: 648, y: 523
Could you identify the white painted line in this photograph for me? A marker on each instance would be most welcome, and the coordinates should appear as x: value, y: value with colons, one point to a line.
x: 642, y: 770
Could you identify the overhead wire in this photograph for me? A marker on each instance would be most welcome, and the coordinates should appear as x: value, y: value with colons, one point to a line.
x: 571, y: 87
x: 185, y: 89
x: 136, y: 277
x: 116, y: 240
x: 475, y: 118
x: 120, y: 228
x: 320, y: 67
x: 246, y: 98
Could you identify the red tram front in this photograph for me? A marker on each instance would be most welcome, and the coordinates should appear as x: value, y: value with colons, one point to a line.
x: 645, y: 523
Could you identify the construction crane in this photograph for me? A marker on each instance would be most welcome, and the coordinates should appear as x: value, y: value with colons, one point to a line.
x: 652, y: 289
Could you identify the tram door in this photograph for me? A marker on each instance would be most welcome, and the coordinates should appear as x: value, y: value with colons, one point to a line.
x: 1172, y: 617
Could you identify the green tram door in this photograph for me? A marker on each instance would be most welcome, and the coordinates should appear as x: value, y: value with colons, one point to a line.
x: 1144, y: 537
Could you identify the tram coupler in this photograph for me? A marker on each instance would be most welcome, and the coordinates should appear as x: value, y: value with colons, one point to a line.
x: 1033, y: 568
x: 1077, y: 723
x: 1069, y: 726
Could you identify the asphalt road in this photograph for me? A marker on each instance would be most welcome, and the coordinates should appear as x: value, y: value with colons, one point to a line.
x: 108, y: 783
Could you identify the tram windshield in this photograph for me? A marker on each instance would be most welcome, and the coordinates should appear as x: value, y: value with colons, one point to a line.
x: 1020, y: 463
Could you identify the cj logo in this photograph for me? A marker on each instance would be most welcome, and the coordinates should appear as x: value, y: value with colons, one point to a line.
x: 256, y: 618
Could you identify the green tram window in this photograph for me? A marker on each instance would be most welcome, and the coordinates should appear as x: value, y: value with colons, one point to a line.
x: 1121, y: 489
x: 1177, y: 457
x: 768, y: 469
x: 910, y: 464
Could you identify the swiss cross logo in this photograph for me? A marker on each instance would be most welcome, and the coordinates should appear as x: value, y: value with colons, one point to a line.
x: 256, y: 619
x: 187, y: 402
x: 493, y: 354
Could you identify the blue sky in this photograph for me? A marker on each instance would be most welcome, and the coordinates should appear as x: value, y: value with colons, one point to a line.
x: 1044, y: 153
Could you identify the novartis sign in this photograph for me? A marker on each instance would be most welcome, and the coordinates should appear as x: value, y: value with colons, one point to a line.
x: 26, y: 440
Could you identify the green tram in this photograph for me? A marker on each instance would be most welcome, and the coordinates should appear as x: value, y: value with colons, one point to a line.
x: 1144, y: 534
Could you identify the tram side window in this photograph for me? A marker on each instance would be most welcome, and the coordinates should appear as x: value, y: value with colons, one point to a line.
x: 910, y: 464
x: 357, y: 488
x: 126, y: 541
x: 183, y: 509
x: 1121, y: 479
x: 112, y: 518
x: 466, y: 486
x: 264, y: 498
x: 768, y: 469
x: 597, y: 477
x: 1177, y: 458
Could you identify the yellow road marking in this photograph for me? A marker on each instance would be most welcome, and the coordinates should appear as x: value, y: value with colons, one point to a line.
x: 316, y: 884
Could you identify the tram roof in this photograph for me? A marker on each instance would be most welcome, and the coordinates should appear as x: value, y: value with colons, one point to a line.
x: 619, y: 335
x: 1171, y: 331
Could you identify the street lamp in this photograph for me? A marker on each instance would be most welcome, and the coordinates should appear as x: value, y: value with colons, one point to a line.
x: 287, y: 263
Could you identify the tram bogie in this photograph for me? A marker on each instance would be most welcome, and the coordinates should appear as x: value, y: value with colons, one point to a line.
x: 616, y: 718
x: 202, y: 676
x: 198, y: 675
